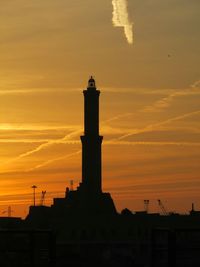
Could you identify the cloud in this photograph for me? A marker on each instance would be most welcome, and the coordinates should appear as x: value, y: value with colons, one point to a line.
x: 121, y: 18
x: 45, y: 163
x: 166, y: 101
x: 37, y: 91
x: 117, y: 141
x: 36, y: 127
x: 196, y: 84
x: 69, y: 138
x: 64, y: 140
x: 120, y: 116
x: 36, y: 132
x: 152, y: 143
x: 156, y: 126
x: 26, y: 198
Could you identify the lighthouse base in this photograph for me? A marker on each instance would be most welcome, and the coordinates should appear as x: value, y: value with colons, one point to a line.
x: 79, y: 202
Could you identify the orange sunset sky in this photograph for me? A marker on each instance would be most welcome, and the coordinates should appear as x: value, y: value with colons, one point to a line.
x: 145, y: 57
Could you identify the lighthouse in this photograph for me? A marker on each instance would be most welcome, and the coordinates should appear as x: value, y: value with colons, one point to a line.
x: 91, y: 141
x: 88, y: 198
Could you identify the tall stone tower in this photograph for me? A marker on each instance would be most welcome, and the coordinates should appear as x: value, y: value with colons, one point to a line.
x: 88, y: 198
x: 91, y: 141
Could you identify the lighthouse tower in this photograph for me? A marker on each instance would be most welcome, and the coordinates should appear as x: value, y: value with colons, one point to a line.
x: 88, y: 198
x: 91, y: 141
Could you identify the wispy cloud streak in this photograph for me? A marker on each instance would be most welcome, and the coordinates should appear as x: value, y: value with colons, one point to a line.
x: 155, y: 143
x: 117, y: 141
x: 45, y: 163
x: 37, y: 91
x: 120, y: 116
x: 35, y: 127
x: 153, y: 127
x: 69, y: 139
x: 121, y: 18
x: 196, y: 84
x: 63, y: 140
x: 166, y: 101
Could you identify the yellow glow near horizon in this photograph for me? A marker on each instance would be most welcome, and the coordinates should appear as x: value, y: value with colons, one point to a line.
x: 149, y: 101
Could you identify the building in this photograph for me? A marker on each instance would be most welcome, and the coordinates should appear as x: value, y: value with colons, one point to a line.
x: 90, y: 232
x: 88, y: 198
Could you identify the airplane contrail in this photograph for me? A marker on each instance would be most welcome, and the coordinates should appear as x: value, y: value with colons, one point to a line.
x: 68, y: 137
x: 45, y: 145
x: 121, y: 18
x: 118, y: 141
x: 152, y: 127
x: 53, y: 160
x: 151, y: 143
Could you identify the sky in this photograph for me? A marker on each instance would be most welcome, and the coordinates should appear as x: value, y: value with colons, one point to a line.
x: 145, y: 57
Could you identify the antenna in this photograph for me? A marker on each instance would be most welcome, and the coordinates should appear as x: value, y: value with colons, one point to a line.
x: 146, y: 205
x: 71, y: 185
x: 9, y: 211
x: 34, y: 187
x: 42, y: 198
x: 192, y: 206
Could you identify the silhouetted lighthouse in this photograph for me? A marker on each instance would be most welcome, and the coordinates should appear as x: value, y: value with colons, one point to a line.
x: 91, y: 141
x: 88, y: 198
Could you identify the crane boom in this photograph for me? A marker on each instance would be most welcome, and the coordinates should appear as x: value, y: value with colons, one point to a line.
x: 164, y: 211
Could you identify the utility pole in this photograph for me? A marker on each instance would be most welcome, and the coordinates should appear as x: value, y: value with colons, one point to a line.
x: 146, y: 205
x: 9, y: 211
x: 34, y: 187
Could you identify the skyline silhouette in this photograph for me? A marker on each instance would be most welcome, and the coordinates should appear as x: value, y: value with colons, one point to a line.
x: 83, y: 227
x: 107, y: 173
x: 88, y: 195
x: 149, y: 105
x: 67, y: 140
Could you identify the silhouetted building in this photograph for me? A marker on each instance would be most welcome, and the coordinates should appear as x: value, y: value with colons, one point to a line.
x: 88, y: 199
x: 89, y: 231
x: 10, y: 222
x: 91, y: 142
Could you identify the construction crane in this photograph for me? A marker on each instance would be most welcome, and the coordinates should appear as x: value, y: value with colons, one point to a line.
x: 34, y: 188
x: 164, y: 211
x: 42, y: 198
x: 146, y: 205
x: 8, y: 211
